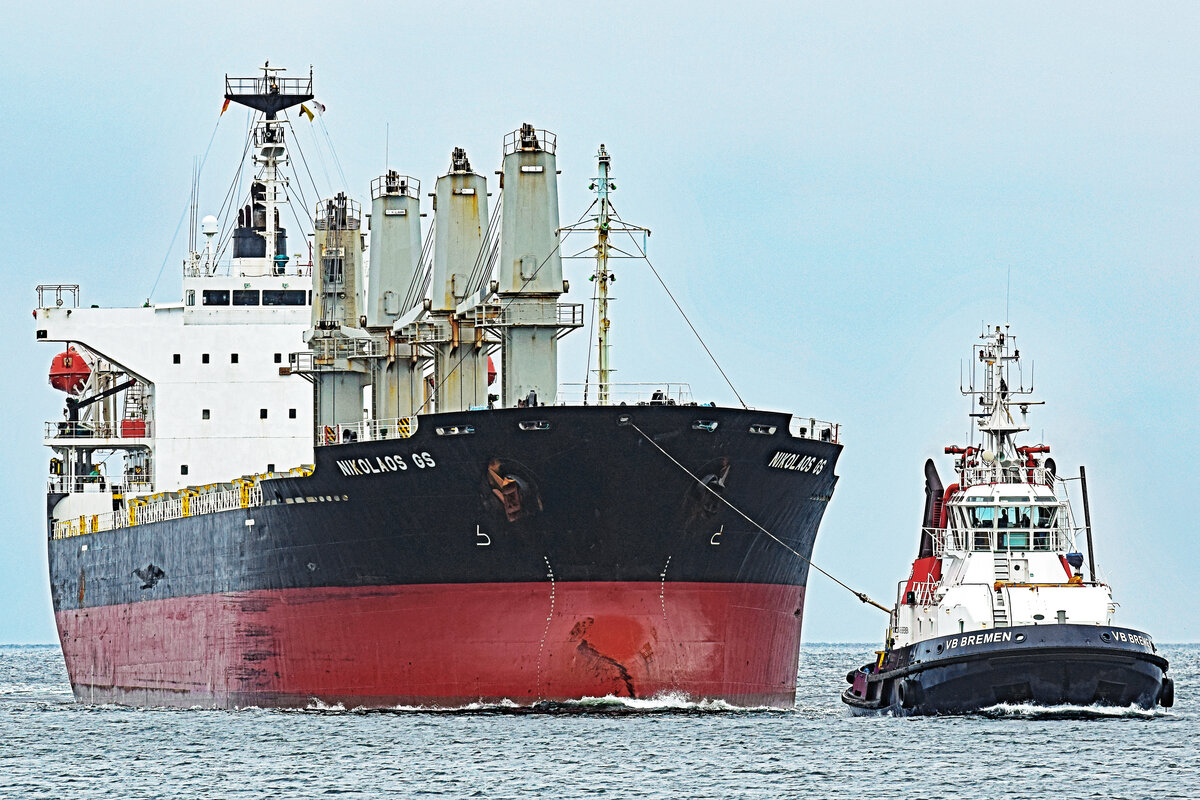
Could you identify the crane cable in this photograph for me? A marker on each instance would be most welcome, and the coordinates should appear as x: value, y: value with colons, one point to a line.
x: 860, y: 595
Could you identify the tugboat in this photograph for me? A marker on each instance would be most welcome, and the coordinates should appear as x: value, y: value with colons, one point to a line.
x: 997, y: 609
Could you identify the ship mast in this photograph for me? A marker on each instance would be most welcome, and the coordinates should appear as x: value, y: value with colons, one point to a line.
x: 602, y: 275
x: 269, y: 95
x: 604, y: 222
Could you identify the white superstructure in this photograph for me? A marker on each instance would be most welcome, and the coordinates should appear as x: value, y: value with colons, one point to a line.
x: 999, y: 547
x: 194, y: 393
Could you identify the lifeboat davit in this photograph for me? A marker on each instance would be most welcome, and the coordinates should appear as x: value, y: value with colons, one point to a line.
x: 69, y: 372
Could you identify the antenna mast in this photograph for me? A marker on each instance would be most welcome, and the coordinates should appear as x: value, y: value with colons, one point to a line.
x: 602, y: 274
x: 606, y: 221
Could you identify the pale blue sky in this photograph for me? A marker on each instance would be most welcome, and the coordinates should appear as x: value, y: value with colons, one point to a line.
x: 837, y: 193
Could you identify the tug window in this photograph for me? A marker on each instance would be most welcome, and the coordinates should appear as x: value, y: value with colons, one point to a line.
x: 982, y: 516
x: 216, y: 297
x: 283, y: 297
x: 981, y: 519
x: 245, y: 297
x: 1043, y: 520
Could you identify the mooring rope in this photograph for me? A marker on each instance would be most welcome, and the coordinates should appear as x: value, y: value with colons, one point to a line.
x: 860, y: 595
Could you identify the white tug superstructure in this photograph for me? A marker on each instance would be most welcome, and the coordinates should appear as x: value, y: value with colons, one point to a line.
x: 999, y: 547
x: 997, y: 608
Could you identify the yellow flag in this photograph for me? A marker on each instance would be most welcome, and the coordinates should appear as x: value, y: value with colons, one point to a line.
x: 304, y: 110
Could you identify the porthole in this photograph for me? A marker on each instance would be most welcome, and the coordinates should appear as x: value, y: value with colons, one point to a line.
x: 1106, y: 637
x: 1039, y: 617
x: 1020, y: 637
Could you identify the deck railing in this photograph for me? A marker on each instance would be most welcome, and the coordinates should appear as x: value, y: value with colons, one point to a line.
x: 81, y: 429
x: 1056, y: 539
x: 159, y: 509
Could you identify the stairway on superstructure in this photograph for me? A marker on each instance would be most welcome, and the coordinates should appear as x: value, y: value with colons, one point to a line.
x: 999, y: 611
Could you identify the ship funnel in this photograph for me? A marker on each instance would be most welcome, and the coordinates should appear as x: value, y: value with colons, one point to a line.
x: 395, y: 246
x: 530, y: 269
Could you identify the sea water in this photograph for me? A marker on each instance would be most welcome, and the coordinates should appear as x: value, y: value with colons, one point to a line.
x: 51, y: 747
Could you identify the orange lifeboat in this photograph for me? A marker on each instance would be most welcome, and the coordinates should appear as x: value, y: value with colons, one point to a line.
x: 69, y: 372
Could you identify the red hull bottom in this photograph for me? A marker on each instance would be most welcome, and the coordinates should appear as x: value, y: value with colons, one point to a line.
x: 441, y: 645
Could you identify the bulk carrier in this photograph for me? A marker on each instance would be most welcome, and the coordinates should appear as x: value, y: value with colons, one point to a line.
x: 309, y: 482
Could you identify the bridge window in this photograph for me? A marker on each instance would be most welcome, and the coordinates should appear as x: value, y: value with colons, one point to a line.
x: 183, y: 469
x: 216, y: 297
x: 291, y: 413
x: 204, y: 413
x: 279, y: 358
x: 175, y: 358
x: 245, y: 297
x: 284, y: 297
x: 262, y: 413
x: 204, y: 358
x: 233, y: 358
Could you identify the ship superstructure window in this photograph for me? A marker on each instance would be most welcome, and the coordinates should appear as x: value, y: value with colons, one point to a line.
x: 191, y: 297
x: 982, y: 519
x: 216, y: 297
x: 175, y: 358
x: 204, y: 413
x: 291, y: 413
x: 279, y: 358
x: 284, y: 297
x: 245, y: 297
x: 262, y: 413
x: 233, y: 358
x: 204, y: 358
x: 183, y: 469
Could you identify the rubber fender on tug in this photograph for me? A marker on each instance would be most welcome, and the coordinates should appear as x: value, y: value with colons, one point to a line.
x: 908, y: 692
x: 1166, y: 695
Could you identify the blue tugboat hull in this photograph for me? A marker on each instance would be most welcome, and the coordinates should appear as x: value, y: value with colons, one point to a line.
x: 1045, y: 665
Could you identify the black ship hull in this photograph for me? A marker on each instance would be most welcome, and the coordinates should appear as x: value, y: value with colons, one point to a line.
x: 519, y: 554
x: 1043, y: 665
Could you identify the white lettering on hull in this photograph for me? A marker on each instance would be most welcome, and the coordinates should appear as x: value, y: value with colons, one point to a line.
x: 970, y: 640
x: 356, y: 468
x: 794, y: 462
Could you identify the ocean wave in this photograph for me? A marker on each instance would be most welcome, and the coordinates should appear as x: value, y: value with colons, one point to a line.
x: 1032, y: 711
x: 665, y: 703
